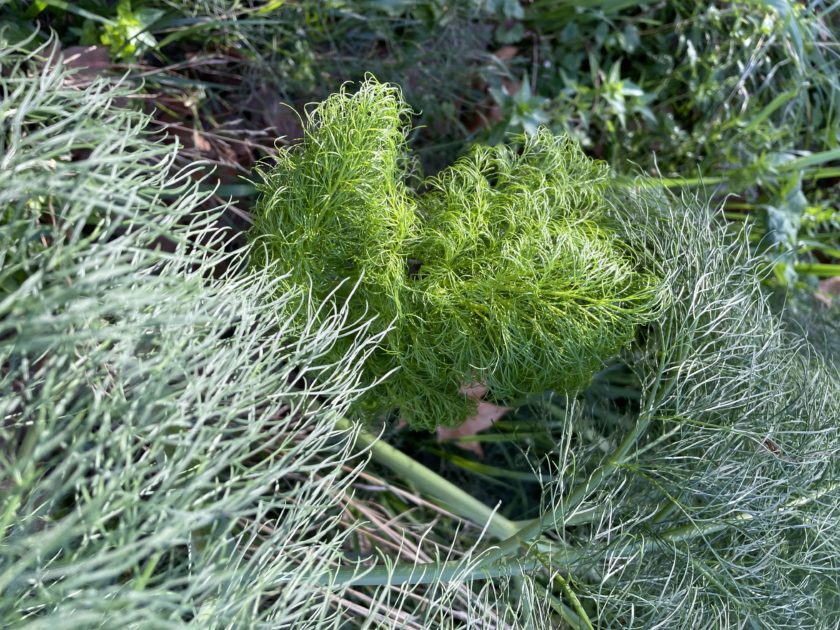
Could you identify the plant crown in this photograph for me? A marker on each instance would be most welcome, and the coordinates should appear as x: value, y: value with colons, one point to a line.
x: 505, y: 271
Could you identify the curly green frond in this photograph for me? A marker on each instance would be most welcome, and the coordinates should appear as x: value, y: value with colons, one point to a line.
x: 335, y: 207
x: 506, y: 271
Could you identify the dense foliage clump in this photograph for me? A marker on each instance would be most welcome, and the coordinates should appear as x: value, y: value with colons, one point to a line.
x: 505, y: 271
x: 152, y: 433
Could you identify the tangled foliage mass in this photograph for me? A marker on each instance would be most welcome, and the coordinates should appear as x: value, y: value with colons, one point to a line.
x: 505, y: 271
x: 168, y: 409
x: 161, y: 463
x: 718, y: 506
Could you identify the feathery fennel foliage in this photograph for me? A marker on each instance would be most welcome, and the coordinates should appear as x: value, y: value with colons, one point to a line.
x: 721, y: 503
x: 162, y: 460
x: 168, y: 452
x: 711, y: 501
x: 707, y: 499
x: 505, y: 271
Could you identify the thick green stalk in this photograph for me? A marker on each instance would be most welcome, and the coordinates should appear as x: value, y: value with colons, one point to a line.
x: 488, y: 567
x: 535, y: 528
x: 446, y: 493
x: 691, y: 531
x: 426, y: 573
x: 823, y: 270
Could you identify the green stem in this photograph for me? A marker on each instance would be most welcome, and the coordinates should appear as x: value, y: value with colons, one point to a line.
x: 580, y: 619
x: 536, y: 527
x: 411, y: 573
x: 691, y: 531
x: 423, y: 573
x: 822, y: 270
x: 143, y: 579
x: 586, y: 516
x: 466, y: 506
x: 677, y: 182
x: 446, y: 493
x: 569, y: 615
x: 824, y: 173
x: 814, y: 159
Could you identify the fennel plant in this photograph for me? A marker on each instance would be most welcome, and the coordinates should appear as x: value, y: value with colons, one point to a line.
x: 174, y: 450
x: 708, y: 499
x: 162, y: 462
x: 507, y: 270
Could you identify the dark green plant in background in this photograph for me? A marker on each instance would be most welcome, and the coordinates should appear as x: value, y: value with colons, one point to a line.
x: 740, y: 96
x: 504, y: 272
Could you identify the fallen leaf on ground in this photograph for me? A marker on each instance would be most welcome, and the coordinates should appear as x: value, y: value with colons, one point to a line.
x: 87, y: 61
x: 485, y: 417
x: 506, y: 53
x: 829, y: 290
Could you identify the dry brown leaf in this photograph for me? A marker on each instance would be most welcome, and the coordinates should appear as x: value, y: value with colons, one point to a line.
x: 829, y: 290
x: 87, y: 61
x: 485, y: 417
x: 506, y: 53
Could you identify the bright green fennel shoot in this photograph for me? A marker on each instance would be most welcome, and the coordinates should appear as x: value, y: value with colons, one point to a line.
x: 504, y: 271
